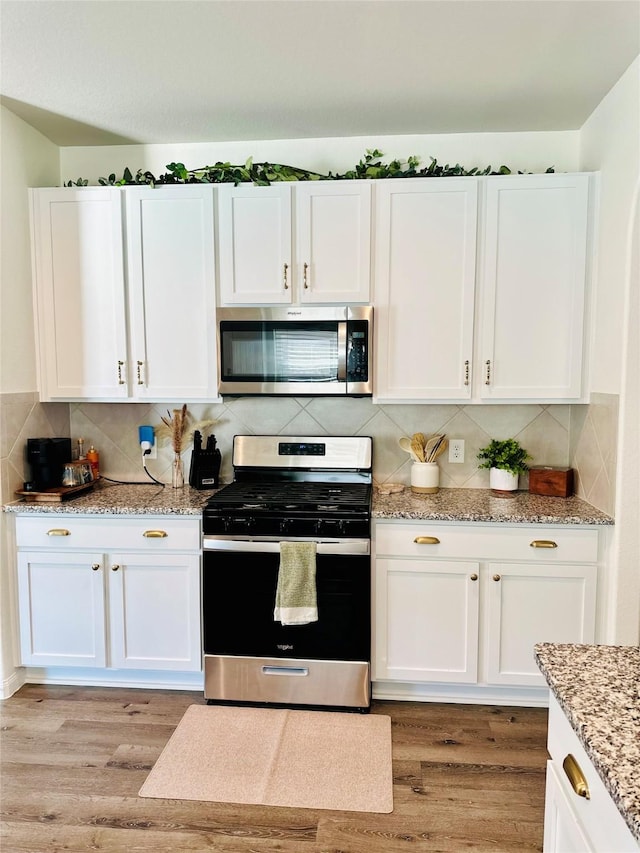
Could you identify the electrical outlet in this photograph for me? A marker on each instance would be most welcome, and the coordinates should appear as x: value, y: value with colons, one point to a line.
x: 153, y: 450
x: 456, y: 450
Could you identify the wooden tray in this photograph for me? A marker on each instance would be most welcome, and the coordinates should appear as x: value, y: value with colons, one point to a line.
x: 54, y: 495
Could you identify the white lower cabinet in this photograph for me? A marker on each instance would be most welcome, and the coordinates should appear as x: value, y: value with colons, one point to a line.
x: 104, y: 606
x: 574, y: 823
x: 465, y: 604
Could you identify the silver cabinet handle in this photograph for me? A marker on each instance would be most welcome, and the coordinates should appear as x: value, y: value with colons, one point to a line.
x: 120, y: 366
x: 466, y: 372
x: 487, y: 381
x: 543, y: 543
x: 115, y: 567
x: 305, y: 270
x: 426, y: 540
x: 95, y: 566
x: 286, y: 269
x: 139, y: 372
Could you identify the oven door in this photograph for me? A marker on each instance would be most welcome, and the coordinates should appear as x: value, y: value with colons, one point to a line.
x: 249, y: 657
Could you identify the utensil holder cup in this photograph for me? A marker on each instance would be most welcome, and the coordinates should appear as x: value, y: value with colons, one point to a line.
x: 425, y: 478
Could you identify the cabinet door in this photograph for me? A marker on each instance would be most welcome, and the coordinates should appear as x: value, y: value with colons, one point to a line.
x: 563, y: 832
x: 333, y: 228
x: 61, y: 609
x: 425, y: 255
x: 171, y: 267
x: 254, y: 232
x: 533, y: 287
x: 426, y: 626
x: 80, y: 293
x: 529, y: 604
x: 154, y: 603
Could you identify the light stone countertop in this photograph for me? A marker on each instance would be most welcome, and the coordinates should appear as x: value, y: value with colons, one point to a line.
x: 483, y: 505
x: 598, y: 690
x: 130, y: 499
x: 480, y: 505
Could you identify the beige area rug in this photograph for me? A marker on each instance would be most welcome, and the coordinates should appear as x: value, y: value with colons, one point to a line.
x: 302, y: 759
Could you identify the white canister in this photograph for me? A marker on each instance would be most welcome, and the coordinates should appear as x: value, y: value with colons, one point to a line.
x: 425, y: 477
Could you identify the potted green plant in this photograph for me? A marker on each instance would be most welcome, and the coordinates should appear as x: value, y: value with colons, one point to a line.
x: 506, y: 460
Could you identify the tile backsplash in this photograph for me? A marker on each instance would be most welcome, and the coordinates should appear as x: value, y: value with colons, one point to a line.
x: 581, y: 436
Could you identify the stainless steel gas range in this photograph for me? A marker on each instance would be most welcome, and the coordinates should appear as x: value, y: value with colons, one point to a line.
x: 289, y: 489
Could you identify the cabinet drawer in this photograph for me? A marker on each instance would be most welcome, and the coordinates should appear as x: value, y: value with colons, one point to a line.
x: 398, y: 538
x: 603, y: 824
x: 62, y: 531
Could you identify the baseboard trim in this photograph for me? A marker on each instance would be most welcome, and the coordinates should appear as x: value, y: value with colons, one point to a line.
x: 13, y: 683
x: 526, y: 697
x: 115, y: 678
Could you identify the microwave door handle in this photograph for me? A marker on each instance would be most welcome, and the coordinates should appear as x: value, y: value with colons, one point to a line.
x: 342, y: 351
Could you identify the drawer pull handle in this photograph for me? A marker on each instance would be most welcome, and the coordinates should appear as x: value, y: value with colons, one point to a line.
x: 285, y: 670
x: 58, y: 531
x: 426, y: 540
x: 95, y: 566
x: 576, y: 777
x: 474, y: 577
x: 543, y: 543
x: 155, y: 534
x: 115, y: 567
x: 496, y: 577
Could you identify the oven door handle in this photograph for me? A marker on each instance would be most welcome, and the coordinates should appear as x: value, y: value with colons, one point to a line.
x: 327, y: 546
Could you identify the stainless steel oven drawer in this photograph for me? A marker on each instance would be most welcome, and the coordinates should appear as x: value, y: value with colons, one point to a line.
x: 289, y: 681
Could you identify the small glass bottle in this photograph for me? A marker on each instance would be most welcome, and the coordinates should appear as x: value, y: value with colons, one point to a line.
x: 80, y: 442
x: 94, y: 458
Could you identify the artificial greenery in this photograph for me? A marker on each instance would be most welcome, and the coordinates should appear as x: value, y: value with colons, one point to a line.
x: 264, y: 174
x: 506, y: 454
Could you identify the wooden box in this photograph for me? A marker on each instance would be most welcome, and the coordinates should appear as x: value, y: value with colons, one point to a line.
x: 551, y: 480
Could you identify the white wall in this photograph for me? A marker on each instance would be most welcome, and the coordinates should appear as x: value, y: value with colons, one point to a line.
x: 610, y: 143
x: 520, y: 151
x: 27, y: 159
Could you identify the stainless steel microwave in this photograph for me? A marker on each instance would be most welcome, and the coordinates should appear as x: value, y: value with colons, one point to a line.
x: 296, y: 351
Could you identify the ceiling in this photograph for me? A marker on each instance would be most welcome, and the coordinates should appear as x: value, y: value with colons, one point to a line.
x: 100, y: 72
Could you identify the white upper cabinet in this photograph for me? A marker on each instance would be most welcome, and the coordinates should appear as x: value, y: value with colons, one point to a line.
x: 424, y: 284
x: 533, y: 287
x: 300, y: 242
x: 171, y: 275
x: 104, y: 335
x: 518, y: 334
x: 80, y: 293
x: 255, y: 246
x: 333, y: 248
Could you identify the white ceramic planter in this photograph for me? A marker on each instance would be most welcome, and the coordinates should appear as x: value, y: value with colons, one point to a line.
x: 502, y: 481
x: 425, y: 477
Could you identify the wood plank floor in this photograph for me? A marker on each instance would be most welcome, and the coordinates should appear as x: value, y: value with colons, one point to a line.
x: 466, y: 777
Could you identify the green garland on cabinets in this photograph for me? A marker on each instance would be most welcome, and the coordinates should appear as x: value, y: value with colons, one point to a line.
x: 264, y: 174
